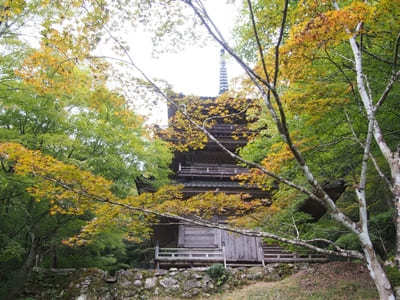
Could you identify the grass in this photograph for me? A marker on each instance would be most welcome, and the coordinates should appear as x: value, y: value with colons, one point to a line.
x: 290, y: 289
x: 335, y: 280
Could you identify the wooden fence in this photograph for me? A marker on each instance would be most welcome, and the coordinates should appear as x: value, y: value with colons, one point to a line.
x: 278, y: 254
x: 206, y: 255
x: 272, y: 254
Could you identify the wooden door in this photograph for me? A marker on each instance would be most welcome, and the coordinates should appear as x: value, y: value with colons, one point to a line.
x: 240, y: 247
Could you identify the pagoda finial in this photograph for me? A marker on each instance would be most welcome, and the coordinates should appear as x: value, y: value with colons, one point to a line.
x: 223, y: 77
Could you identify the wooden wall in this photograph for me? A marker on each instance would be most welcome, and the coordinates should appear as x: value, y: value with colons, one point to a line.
x: 191, y: 236
x: 238, y: 247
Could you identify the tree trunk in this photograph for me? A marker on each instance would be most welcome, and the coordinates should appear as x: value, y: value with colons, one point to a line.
x: 54, y: 258
x: 396, y: 195
x: 26, y: 268
x: 375, y: 269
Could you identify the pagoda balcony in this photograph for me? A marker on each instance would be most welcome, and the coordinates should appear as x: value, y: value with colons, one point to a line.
x: 227, y: 130
x: 210, y: 171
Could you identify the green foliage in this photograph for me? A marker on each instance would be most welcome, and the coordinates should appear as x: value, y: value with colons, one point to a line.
x: 393, y: 273
x: 348, y: 241
x: 218, y: 273
x: 138, y: 255
x: 63, y: 108
x: 323, y: 111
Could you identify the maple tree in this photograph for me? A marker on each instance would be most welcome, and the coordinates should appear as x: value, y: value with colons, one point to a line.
x: 54, y: 100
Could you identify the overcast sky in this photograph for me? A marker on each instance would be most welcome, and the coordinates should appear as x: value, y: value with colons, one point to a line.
x: 196, y: 69
x: 192, y: 71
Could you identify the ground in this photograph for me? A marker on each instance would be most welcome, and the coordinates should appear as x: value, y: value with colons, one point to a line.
x: 335, y: 280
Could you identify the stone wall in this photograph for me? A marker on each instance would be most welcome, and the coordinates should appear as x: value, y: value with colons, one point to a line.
x: 95, y: 284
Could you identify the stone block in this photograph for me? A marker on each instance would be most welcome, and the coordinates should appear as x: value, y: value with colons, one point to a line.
x: 150, y: 283
x: 168, y: 282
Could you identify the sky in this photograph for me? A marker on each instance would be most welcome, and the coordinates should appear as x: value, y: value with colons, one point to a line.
x: 195, y: 70
x: 191, y: 71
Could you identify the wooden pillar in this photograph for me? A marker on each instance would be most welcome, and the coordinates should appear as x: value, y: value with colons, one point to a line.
x: 223, y: 253
x: 156, y: 254
x: 261, y: 251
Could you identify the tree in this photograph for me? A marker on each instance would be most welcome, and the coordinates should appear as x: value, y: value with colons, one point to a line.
x: 54, y: 102
x: 339, y: 27
x: 348, y: 28
x: 342, y: 30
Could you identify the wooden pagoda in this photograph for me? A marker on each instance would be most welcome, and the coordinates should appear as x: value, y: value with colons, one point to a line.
x: 211, y: 169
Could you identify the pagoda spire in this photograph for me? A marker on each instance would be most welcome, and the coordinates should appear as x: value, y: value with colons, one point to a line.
x: 223, y: 76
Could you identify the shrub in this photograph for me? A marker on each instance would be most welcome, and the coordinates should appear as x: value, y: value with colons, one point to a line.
x: 218, y: 273
x: 394, y: 275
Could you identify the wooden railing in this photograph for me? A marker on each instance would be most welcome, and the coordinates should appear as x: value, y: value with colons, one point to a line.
x: 227, y: 130
x: 219, y: 171
x: 190, y: 254
x: 278, y: 254
x: 269, y: 254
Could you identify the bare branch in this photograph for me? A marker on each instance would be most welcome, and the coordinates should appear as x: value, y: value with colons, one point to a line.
x: 207, y: 133
x: 278, y: 44
x: 376, y: 165
x: 396, y: 52
x: 341, y: 71
x: 319, y: 195
x: 377, y: 57
x: 202, y: 222
x: 387, y: 90
x: 205, y: 19
x: 360, y: 190
x: 295, y: 227
x: 327, y: 242
x: 260, y: 49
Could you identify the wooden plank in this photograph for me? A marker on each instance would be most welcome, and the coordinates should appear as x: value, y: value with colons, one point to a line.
x: 179, y: 254
x: 252, y: 253
x: 220, y: 258
x: 197, y: 236
x: 183, y: 249
x: 240, y: 244
x: 189, y: 253
x: 198, y: 230
x: 218, y: 238
x: 181, y: 235
x: 240, y: 247
x: 200, y: 239
x: 296, y: 260
x: 260, y: 252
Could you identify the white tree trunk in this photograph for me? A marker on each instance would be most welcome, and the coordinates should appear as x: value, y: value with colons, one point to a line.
x: 395, y: 168
x: 375, y: 269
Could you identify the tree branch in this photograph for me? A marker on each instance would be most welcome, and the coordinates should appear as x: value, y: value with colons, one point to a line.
x: 280, y: 38
x: 202, y: 222
x: 375, y: 163
x: 387, y: 90
x: 396, y: 52
x: 360, y: 190
x: 260, y: 49
x: 341, y: 71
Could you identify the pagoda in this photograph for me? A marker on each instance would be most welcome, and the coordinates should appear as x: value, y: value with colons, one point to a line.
x: 211, y: 169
